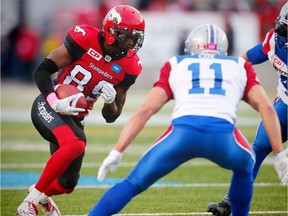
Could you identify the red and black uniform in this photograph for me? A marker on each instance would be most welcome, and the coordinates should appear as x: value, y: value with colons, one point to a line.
x: 90, y: 70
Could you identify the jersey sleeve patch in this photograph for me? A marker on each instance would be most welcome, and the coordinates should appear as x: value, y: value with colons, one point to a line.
x: 256, y: 55
x: 163, y: 81
x: 74, y: 50
x: 252, y: 79
x: 83, y: 35
x: 266, y: 44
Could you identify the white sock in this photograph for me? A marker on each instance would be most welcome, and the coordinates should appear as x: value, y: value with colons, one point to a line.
x: 43, y: 198
x: 34, y: 196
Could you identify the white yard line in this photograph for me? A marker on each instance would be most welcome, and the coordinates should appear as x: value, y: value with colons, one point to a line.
x: 160, y: 119
x: 162, y: 185
x: 194, y: 213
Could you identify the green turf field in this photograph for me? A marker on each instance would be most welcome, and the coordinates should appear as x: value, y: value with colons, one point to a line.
x: 196, y: 183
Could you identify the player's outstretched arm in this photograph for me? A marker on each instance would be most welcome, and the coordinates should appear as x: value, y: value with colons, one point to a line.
x: 258, y: 99
x: 156, y: 98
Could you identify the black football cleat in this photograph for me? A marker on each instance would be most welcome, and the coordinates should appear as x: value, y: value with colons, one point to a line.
x: 222, y: 208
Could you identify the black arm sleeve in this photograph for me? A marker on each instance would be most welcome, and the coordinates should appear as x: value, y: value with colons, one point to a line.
x: 128, y: 80
x: 42, y: 76
x: 74, y: 50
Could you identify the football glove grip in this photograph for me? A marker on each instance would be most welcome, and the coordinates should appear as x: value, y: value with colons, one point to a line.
x: 111, y: 161
x: 108, y: 93
x: 63, y: 105
x: 280, y: 164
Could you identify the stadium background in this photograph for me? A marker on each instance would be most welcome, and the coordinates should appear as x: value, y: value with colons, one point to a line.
x: 24, y: 152
x: 167, y: 23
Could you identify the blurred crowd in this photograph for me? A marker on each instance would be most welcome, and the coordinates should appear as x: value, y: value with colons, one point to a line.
x: 24, y: 46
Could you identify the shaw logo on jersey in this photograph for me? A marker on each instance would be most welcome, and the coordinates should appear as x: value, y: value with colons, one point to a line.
x: 94, y: 54
x: 78, y: 29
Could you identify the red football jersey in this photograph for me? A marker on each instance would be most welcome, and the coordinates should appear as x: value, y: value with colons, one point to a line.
x: 89, y: 72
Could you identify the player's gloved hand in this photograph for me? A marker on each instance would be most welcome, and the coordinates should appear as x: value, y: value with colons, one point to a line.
x: 281, y: 166
x: 108, y: 93
x: 111, y: 161
x: 63, y: 105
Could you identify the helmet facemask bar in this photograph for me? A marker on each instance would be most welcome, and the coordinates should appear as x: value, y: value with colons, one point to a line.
x: 126, y: 40
x: 281, y: 27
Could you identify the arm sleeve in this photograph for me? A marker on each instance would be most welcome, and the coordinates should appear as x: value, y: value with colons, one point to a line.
x: 128, y: 80
x: 163, y: 80
x: 252, y: 79
x: 256, y: 55
x: 74, y: 50
x: 42, y: 76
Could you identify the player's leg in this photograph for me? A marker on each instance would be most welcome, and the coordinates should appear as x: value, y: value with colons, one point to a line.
x: 163, y: 157
x: 242, y: 178
x: 261, y: 144
x: 241, y: 187
x: 262, y: 148
x: 57, y: 129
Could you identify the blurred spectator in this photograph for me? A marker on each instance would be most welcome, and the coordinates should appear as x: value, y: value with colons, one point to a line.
x: 22, y: 49
x: 143, y: 4
x: 267, y: 11
x: 182, y: 40
x: 230, y: 35
x: 51, y: 42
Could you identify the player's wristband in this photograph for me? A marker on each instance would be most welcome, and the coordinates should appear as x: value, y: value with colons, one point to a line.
x: 51, y: 99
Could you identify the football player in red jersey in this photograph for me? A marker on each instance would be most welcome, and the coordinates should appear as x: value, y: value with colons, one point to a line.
x: 100, y: 63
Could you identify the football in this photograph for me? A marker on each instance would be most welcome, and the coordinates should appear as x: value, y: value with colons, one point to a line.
x: 65, y: 90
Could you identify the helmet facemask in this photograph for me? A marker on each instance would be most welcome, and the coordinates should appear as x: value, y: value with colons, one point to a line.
x: 281, y: 26
x: 126, y: 40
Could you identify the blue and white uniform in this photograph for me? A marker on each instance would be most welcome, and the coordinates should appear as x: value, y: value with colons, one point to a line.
x: 275, y: 51
x: 206, y: 90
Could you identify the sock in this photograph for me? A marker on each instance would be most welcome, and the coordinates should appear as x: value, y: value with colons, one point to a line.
x: 43, y: 198
x: 34, y: 196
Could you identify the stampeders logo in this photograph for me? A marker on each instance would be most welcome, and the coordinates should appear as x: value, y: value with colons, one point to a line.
x: 78, y: 29
x: 94, y: 54
x: 43, y: 112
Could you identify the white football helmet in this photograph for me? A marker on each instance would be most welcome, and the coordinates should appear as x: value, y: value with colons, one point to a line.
x: 206, y: 37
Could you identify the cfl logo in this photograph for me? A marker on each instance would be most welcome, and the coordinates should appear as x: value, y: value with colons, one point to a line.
x: 94, y: 54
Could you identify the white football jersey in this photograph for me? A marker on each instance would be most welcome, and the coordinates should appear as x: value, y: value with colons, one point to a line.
x: 207, y: 85
x: 278, y: 58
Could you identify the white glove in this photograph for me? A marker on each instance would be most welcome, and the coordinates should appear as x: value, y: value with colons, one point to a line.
x: 108, y: 93
x: 111, y: 161
x: 280, y: 165
x: 63, y: 105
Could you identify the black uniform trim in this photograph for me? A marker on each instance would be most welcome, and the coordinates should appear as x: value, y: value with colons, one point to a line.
x: 128, y: 80
x: 74, y: 50
x: 42, y: 76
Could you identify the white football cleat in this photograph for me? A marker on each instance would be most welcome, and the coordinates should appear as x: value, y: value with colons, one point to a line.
x: 27, y: 208
x: 50, y: 208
